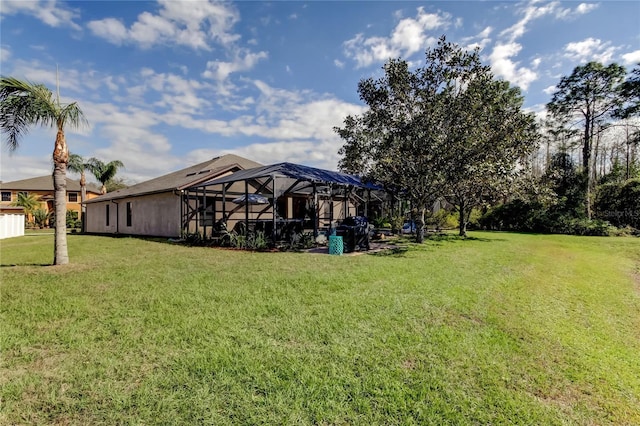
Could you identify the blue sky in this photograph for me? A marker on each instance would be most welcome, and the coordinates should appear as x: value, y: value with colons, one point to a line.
x: 170, y: 83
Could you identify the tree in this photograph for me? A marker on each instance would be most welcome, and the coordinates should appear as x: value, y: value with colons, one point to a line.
x: 390, y: 143
x: 116, y: 183
x: 567, y: 183
x: 630, y: 108
x: 446, y: 129
x: 591, y: 94
x: 77, y: 164
x: 23, y: 104
x: 488, y: 139
x: 29, y: 202
x: 630, y: 92
x: 104, y: 172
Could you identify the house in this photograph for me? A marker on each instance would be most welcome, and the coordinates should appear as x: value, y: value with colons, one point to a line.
x: 155, y: 207
x: 42, y: 188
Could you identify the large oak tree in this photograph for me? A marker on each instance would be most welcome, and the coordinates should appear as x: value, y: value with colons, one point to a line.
x: 446, y: 129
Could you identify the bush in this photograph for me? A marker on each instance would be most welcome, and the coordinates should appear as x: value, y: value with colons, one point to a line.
x: 40, y: 217
x: 72, y: 219
x: 442, y: 219
x: 619, y: 203
x: 519, y: 215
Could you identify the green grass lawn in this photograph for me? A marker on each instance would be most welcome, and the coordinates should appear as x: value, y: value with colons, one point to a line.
x: 497, y: 329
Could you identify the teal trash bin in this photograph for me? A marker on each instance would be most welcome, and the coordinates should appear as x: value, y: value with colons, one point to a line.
x: 335, y: 245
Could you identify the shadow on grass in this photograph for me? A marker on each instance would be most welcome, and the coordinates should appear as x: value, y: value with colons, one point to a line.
x: 13, y: 265
x: 454, y: 237
x: 399, y: 251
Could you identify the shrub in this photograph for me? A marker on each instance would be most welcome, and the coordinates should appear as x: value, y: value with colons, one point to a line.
x: 619, y: 203
x: 72, y: 219
x: 519, y: 215
x: 40, y: 217
x: 443, y: 219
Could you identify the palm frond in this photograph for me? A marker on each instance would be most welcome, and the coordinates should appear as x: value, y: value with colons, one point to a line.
x: 104, y: 171
x: 23, y: 104
x: 72, y: 115
x: 76, y: 163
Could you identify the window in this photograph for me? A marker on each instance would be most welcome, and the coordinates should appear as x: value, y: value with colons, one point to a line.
x: 73, y: 197
x: 107, y: 215
x: 128, y: 214
x: 6, y: 195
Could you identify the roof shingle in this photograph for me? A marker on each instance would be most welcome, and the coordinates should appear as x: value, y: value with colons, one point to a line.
x: 45, y: 183
x: 182, y: 178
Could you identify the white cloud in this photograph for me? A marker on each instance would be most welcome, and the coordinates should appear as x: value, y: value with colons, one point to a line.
x: 5, y: 53
x: 590, y: 49
x: 530, y: 13
x: 51, y: 12
x: 536, y: 63
x: 631, y: 58
x: 507, y: 48
x: 549, y: 90
x: 293, y: 126
x: 408, y: 37
x: 503, y: 66
x: 195, y: 24
x: 480, y: 40
x: 586, y: 7
x: 110, y: 29
x: 338, y: 63
x: 243, y: 60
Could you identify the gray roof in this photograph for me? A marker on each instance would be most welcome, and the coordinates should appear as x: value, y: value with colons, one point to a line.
x: 182, y: 178
x: 294, y: 171
x: 45, y: 183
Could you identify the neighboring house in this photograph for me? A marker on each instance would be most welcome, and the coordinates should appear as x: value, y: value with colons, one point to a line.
x: 154, y: 207
x: 42, y: 187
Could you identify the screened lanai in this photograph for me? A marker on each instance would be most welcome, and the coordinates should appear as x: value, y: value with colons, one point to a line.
x: 280, y: 200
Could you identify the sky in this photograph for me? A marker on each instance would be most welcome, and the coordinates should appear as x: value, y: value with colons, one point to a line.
x: 167, y: 84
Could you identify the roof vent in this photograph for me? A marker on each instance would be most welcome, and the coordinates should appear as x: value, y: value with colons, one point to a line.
x: 204, y: 171
x: 191, y: 174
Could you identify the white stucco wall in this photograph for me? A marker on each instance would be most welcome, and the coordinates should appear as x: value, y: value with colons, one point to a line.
x: 155, y: 215
x: 11, y: 225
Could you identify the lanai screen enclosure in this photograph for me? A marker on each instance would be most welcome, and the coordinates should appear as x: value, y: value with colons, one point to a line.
x: 277, y: 199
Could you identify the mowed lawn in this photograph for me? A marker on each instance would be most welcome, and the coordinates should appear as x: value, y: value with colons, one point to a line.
x: 497, y: 329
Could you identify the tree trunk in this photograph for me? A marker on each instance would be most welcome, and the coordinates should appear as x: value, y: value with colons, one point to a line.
x: 83, y: 197
x: 420, y: 225
x: 60, y: 160
x: 463, y: 222
x: 586, y: 159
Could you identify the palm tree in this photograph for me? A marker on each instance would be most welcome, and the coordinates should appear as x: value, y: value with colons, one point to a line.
x: 77, y: 164
x: 24, y: 104
x: 29, y: 202
x: 104, y: 172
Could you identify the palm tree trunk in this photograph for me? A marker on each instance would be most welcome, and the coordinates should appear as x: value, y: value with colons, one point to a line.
x: 83, y: 197
x: 60, y: 159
